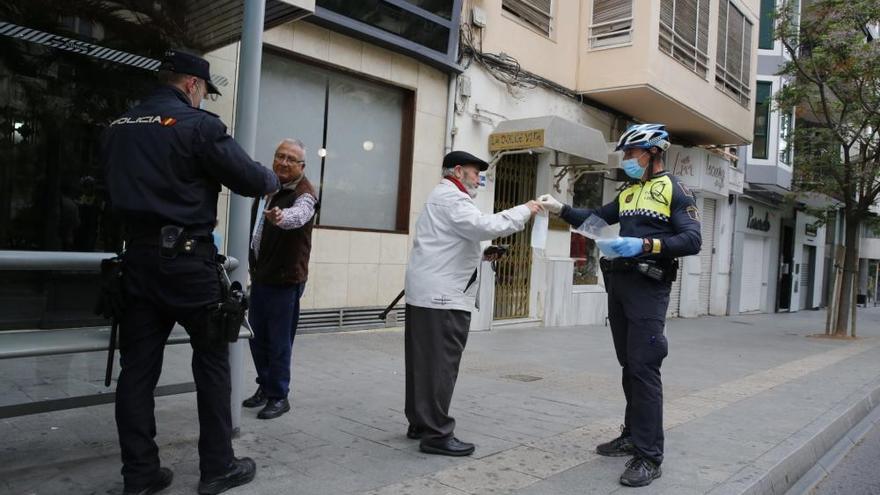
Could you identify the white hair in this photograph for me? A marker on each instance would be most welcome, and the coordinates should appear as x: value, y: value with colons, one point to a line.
x: 293, y: 142
x: 448, y: 171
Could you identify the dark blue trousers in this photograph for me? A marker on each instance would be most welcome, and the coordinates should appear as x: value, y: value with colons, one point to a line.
x: 273, y: 315
x: 159, y: 292
x: 637, y: 313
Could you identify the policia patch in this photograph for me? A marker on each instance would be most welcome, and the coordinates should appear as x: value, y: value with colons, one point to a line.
x: 693, y: 212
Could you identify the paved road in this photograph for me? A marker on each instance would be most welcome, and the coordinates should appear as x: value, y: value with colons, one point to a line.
x: 859, y: 472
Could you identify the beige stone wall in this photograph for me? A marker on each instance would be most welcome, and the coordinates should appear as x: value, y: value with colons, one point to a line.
x: 353, y: 268
x: 566, y: 58
x: 642, y: 63
x: 553, y: 57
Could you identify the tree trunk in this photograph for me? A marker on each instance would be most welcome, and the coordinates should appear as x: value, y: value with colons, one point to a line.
x: 850, y: 269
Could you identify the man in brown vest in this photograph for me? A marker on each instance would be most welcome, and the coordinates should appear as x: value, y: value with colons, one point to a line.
x: 281, y: 241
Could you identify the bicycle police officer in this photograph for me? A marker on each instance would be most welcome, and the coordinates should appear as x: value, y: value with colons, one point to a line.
x: 164, y: 163
x: 659, y: 222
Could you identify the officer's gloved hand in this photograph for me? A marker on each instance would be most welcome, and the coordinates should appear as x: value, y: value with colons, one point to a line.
x: 550, y: 203
x: 605, y: 247
x: 627, y: 247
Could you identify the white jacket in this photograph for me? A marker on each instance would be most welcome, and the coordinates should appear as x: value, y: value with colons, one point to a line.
x: 446, y: 249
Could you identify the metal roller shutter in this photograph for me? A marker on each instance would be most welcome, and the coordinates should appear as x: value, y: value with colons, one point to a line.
x: 675, y: 294
x: 806, y: 278
x: 707, y: 230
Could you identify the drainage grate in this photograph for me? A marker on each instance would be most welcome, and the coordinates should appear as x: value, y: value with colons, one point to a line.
x: 523, y: 378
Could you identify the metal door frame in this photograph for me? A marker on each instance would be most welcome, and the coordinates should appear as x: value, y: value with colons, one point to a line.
x: 513, y: 275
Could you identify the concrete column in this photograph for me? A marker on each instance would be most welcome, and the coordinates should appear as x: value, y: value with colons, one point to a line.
x: 246, y: 109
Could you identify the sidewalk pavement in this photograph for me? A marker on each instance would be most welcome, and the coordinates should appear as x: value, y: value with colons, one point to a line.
x: 751, y: 403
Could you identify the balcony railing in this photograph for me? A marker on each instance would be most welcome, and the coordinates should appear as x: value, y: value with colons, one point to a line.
x: 683, y: 50
x: 611, y: 33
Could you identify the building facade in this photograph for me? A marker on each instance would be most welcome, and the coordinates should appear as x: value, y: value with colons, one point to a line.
x: 784, y: 262
x: 379, y: 91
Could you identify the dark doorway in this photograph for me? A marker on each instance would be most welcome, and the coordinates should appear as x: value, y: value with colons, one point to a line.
x: 786, y: 259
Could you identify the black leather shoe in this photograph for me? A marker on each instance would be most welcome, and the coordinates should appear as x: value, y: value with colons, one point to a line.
x: 640, y: 472
x: 449, y: 446
x: 256, y: 400
x: 414, y: 433
x: 619, y: 447
x: 241, y: 472
x: 274, y: 408
x: 159, y: 483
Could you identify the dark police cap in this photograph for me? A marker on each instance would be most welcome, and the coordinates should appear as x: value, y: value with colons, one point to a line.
x: 187, y: 63
x: 454, y: 158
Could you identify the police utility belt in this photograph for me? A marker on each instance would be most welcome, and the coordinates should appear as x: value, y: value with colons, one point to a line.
x: 174, y: 240
x: 659, y: 270
x: 222, y: 320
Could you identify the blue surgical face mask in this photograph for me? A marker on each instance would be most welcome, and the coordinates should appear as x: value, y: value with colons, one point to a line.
x: 632, y: 168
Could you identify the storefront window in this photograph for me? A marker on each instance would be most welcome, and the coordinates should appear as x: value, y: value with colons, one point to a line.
x: 587, y: 194
x: 356, y: 132
x: 66, y: 70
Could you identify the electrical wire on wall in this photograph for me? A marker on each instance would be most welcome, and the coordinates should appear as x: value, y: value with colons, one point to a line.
x: 507, y: 70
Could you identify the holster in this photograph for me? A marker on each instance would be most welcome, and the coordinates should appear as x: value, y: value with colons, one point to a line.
x: 111, y: 298
x: 223, y: 320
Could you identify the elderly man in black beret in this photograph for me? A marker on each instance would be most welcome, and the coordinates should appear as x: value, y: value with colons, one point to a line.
x: 442, y: 280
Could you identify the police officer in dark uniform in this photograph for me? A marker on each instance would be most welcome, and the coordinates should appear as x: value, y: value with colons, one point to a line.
x: 165, y: 161
x: 659, y: 222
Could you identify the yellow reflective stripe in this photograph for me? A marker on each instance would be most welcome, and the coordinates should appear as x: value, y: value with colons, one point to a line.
x: 655, y: 246
x: 653, y: 198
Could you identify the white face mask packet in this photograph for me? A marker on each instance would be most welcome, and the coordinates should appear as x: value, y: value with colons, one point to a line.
x: 539, y: 231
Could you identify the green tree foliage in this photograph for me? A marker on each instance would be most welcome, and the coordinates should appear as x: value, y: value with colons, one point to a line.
x: 832, y: 78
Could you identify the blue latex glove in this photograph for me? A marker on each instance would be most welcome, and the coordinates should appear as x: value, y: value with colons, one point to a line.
x: 605, y: 247
x: 627, y: 247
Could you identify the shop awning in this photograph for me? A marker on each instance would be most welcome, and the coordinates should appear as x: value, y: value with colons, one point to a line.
x: 217, y: 23
x: 550, y: 133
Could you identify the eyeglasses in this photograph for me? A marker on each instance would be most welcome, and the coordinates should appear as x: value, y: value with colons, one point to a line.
x: 287, y: 159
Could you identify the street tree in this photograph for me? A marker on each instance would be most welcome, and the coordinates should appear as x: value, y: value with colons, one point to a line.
x: 832, y: 79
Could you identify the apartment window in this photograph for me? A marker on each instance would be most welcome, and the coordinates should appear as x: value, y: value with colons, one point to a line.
x: 765, y: 33
x: 358, y: 140
x: 612, y: 23
x: 684, y: 33
x: 733, y: 64
x: 587, y: 194
x: 786, y: 123
x: 537, y: 14
x: 760, y: 143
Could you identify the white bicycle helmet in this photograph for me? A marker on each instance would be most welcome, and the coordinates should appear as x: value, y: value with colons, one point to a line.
x: 644, y: 136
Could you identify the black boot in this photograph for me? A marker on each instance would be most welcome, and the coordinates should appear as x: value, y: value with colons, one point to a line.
x: 640, y: 472
x: 274, y: 408
x: 160, y: 482
x: 256, y: 400
x: 619, y: 447
x: 241, y: 472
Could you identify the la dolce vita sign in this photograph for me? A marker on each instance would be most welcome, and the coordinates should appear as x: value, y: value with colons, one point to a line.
x: 698, y: 169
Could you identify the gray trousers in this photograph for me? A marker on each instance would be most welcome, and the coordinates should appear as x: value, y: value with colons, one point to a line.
x: 435, y: 340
